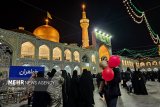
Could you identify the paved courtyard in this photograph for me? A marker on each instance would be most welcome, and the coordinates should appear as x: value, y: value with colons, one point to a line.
x: 131, y: 100
x: 127, y: 100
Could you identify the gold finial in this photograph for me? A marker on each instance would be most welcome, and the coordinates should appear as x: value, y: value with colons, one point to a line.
x: 83, y: 7
x: 46, y: 20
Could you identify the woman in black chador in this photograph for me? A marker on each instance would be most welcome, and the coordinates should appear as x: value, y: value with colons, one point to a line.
x: 138, y: 83
x: 86, y: 88
x: 66, y: 88
x: 41, y: 97
x: 74, y: 95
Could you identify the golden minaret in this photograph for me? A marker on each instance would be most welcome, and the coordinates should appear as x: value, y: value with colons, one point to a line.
x: 84, y: 23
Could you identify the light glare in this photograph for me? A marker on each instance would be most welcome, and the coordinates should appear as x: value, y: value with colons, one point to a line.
x: 95, y: 30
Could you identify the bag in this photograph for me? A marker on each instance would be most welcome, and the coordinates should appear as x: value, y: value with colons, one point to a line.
x: 129, y: 83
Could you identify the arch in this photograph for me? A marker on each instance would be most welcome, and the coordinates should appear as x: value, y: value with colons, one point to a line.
x: 57, y: 68
x: 57, y: 54
x: 142, y: 70
x: 46, y: 69
x: 137, y: 64
x: 148, y: 64
x: 104, y: 51
x: 67, y: 55
x: 155, y: 69
x: 85, y: 59
x: 44, y: 52
x: 94, y: 70
x: 27, y: 50
x: 132, y: 64
x: 76, y: 56
x: 68, y: 69
x: 123, y: 62
x: 78, y: 70
x: 93, y: 58
x: 149, y: 69
x: 127, y: 63
x: 154, y: 63
x: 6, y: 55
x: 142, y: 64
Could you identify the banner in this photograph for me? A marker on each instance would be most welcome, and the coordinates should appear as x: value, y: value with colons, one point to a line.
x: 23, y: 72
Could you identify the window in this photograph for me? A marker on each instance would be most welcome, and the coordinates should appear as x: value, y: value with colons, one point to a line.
x: 57, y: 54
x: 44, y: 52
x: 76, y: 56
x: 67, y: 55
x: 27, y: 50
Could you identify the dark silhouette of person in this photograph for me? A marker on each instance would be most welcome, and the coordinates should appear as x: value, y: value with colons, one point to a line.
x: 41, y: 97
x: 86, y: 88
x: 138, y: 83
x: 74, y: 95
x: 66, y: 88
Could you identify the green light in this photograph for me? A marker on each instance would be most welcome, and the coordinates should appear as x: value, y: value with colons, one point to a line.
x: 135, y: 7
x: 107, y: 35
x: 103, y: 34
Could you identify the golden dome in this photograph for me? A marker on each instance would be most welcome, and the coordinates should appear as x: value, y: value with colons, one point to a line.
x: 47, y: 32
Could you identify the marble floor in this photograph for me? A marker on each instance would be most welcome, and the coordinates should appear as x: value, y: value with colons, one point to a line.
x: 126, y: 100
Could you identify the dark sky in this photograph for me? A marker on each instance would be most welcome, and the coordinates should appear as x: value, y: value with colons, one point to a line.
x: 108, y: 15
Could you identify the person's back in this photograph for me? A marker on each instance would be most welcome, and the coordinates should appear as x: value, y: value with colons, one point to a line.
x: 39, y: 91
x: 74, y: 95
x: 86, y: 88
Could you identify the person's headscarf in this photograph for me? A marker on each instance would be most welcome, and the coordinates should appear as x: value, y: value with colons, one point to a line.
x: 52, y: 73
x: 75, y: 74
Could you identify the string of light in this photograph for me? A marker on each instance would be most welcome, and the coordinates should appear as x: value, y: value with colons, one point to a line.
x: 132, y: 13
x: 135, y: 53
x: 139, y: 19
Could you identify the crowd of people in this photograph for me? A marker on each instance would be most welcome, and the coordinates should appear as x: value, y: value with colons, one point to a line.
x: 64, y: 90
x: 135, y: 81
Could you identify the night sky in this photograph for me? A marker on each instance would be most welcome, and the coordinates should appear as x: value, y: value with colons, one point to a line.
x: 108, y: 15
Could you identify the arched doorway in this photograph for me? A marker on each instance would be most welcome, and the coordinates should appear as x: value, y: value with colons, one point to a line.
x: 57, y: 68
x: 103, y: 53
x: 85, y: 59
x: 46, y: 69
x: 68, y: 69
x: 5, y: 58
x: 78, y: 70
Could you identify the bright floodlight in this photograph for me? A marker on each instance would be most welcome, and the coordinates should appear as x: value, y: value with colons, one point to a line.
x: 100, y: 32
x: 0, y: 43
x: 95, y: 30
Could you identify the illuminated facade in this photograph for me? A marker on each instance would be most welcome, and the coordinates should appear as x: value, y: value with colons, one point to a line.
x: 149, y: 64
x: 42, y: 48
